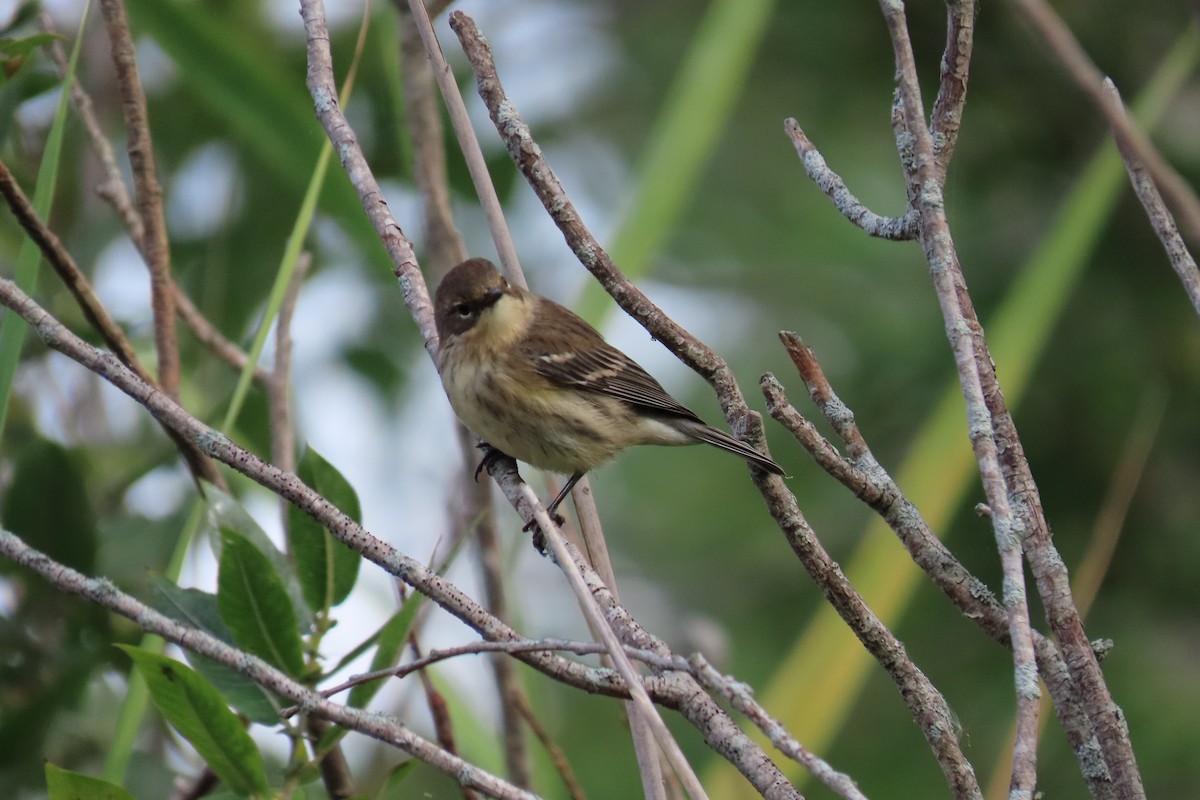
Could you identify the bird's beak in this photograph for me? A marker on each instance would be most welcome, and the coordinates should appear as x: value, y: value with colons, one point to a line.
x: 491, y: 296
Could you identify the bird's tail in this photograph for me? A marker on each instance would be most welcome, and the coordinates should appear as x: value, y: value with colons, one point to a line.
x: 718, y: 438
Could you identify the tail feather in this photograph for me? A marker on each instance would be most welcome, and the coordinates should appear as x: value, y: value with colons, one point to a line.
x: 718, y: 438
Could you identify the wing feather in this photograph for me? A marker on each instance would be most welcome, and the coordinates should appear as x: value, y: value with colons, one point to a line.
x: 593, y: 364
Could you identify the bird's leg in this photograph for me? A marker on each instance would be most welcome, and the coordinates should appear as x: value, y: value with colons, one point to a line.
x: 539, y: 540
x: 490, y: 454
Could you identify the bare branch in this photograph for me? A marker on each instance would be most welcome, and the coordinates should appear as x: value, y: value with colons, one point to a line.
x: 829, y: 182
x: 965, y: 334
x: 114, y: 191
x: 385, y: 729
x: 469, y: 145
x: 742, y: 698
x: 325, y: 101
x: 557, y: 757
x: 154, y: 247
x: 952, y: 89
x: 1160, y: 217
x: 93, y: 310
x: 862, y: 474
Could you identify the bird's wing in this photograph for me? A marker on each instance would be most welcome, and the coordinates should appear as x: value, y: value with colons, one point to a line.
x: 597, y: 366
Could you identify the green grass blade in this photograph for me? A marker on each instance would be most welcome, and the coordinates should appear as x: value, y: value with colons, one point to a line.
x: 817, y: 683
x: 12, y: 328
x: 295, y: 243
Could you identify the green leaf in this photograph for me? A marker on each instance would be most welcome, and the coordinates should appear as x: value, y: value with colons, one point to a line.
x: 199, y: 609
x: 198, y: 712
x: 255, y: 606
x: 326, y: 568
x: 62, y: 784
x: 225, y: 512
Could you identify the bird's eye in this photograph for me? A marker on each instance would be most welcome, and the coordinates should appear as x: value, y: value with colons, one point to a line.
x: 463, y: 310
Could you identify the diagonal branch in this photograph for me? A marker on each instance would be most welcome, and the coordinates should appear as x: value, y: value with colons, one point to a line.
x: 1160, y: 216
x: 862, y: 474
x: 1087, y: 76
x: 894, y: 228
x: 378, y: 726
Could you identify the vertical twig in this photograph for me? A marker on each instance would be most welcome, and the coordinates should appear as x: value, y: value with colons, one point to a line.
x: 113, y: 190
x: 155, y: 247
x: 964, y: 335
x: 947, y: 116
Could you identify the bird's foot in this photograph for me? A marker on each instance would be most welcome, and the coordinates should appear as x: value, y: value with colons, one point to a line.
x: 490, y: 454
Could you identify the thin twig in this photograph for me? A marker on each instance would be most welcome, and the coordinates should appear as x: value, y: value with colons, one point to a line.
x: 942, y: 259
x: 1160, y: 216
x: 569, y: 562
x: 946, y: 119
x: 148, y: 190
x: 719, y: 730
x: 510, y: 647
x: 113, y: 190
x: 345, y: 143
x: 104, y: 593
x: 894, y: 228
x: 1087, y: 76
x: 741, y: 697
x: 72, y: 277
x: 336, y: 775
x: 279, y: 384
x: 915, y: 148
x: 212, y: 338
x: 476, y: 164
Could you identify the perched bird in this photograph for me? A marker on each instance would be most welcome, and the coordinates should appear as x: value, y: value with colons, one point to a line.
x: 537, y: 383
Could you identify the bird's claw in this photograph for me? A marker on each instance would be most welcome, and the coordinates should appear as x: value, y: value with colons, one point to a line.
x: 539, y: 536
x: 490, y: 454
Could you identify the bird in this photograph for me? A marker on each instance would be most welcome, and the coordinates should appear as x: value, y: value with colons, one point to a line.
x: 536, y: 382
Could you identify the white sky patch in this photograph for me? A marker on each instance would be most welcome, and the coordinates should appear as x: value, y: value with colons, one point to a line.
x: 204, y: 191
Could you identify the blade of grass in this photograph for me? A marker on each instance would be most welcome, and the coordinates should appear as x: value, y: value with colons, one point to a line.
x: 295, y: 242
x: 817, y: 683
x: 29, y: 258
